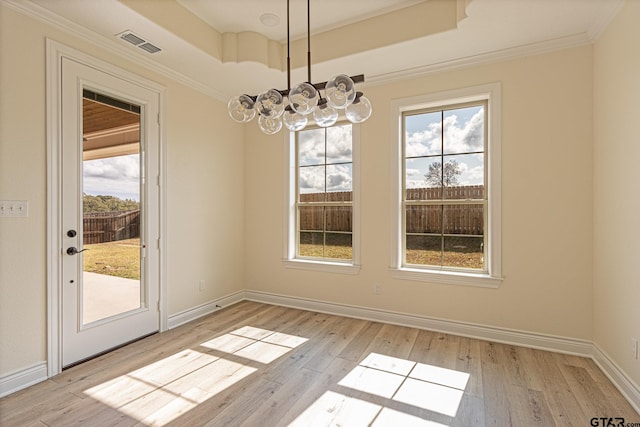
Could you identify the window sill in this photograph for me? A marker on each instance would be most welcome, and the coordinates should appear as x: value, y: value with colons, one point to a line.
x: 447, y: 277
x: 324, y: 266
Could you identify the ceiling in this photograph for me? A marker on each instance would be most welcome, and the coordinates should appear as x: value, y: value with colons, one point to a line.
x: 221, y: 48
x: 244, y: 15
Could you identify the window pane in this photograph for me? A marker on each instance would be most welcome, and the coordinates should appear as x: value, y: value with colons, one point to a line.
x: 311, y: 244
x: 311, y: 218
x: 463, y: 252
x: 423, y: 219
x: 338, y: 218
x: 423, y: 134
x: 424, y: 250
x: 325, y: 174
x: 464, y: 130
x: 466, y: 250
x: 464, y: 219
x: 311, y: 180
x: 338, y: 246
x: 339, y: 144
x: 311, y: 147
x: 339, y: 177
x: 463, y: 176
x: 423, y: 178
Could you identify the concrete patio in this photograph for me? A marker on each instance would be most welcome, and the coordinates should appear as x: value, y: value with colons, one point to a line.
x: 106, y: 296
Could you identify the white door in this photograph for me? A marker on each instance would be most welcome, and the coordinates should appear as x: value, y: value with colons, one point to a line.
x: 110, y: 211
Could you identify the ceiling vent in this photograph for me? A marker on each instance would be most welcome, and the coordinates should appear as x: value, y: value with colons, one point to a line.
x: 136, y: 40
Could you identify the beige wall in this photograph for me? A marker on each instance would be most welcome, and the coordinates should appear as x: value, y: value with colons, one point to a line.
x: 547, y: 205
x: 566, y: 185
x: 205, y: 154
x: 617, y: 189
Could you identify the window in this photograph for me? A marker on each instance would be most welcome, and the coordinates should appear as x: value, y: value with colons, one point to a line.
x: 447, y: 219
x: 322, y: 204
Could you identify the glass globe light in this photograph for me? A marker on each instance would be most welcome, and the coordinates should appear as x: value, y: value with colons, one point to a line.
x: 269, y: 125
x: 293, y: 120
x: 325, y: 115
x: 270, y: 103
x: 340, y: 91
x: 303, y: 98
x: 241, y: 108
x: 359, y: 110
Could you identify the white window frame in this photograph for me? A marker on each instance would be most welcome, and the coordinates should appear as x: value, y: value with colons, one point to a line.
x: 290, y: 217
x: 492, y: 278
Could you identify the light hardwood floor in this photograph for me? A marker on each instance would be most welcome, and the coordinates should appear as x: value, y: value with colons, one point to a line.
x: 254, y: 364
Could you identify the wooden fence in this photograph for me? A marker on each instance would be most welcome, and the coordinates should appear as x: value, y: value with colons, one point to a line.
x: 102, y: 227
x: 458, y: 219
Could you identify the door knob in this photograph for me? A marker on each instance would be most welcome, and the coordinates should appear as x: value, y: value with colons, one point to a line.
x: 72, y: 250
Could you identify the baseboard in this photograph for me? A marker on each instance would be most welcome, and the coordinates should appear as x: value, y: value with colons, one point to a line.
x: 629, y: 389
x: 618, y: 377
x: 194, y: 313
x: 23, y: 378
x: 489, y: 333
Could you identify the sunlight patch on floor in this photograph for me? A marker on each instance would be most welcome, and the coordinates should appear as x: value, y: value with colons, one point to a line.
x: 336, y: 409
x: 390, y: 417
x: 162, y: 391
x: 391, y: 382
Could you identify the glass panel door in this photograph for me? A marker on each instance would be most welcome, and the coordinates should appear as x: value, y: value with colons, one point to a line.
x: 111, y: 208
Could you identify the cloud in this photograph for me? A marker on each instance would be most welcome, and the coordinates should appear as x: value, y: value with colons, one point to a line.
x: 113, y: 176
x: 460, y: 136
x: 414, y: 172
x: 339, y: 178
x: 311, y: 145
x: 339, y: 144
x: 473, y: 176
x: 311, y: 179
x: 465, y: 137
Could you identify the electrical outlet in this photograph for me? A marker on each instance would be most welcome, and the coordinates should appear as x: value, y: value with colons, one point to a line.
x: 201, y: 285
x: 634, y: 348
x: 14, y: 208
x: 377, y: 288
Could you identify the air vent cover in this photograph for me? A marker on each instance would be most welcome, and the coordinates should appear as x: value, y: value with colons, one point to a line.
x: 136, y: 40
x: 131, y: 38
x: 149, y: 48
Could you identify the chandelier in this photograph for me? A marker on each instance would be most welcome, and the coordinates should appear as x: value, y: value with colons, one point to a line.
x: 294, y: 107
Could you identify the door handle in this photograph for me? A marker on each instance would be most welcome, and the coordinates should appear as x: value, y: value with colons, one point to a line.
x: 73, y: 251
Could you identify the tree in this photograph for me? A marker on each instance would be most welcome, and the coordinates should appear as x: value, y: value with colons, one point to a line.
x: 436, y: 177
x: 107, y: 204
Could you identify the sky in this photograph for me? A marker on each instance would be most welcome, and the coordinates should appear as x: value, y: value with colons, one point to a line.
x: 113, y: 176
x: 426, y: 143
x: 337, y: 164
x: 463, y: 133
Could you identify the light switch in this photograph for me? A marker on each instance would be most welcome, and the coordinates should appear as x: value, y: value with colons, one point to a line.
x: 14, y: 208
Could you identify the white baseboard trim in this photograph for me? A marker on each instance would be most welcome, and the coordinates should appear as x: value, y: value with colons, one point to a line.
x: 23, y: 378
x: 629, y: 389
x: 489, y: 333
x: 585, y: 348
x: 196, y: 312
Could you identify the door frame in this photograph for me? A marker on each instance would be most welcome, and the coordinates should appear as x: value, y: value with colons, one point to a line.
x: 55, y: 51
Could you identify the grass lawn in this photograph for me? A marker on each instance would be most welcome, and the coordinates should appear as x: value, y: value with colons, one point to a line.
x: 414, y: 256
x: 121, y: 258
